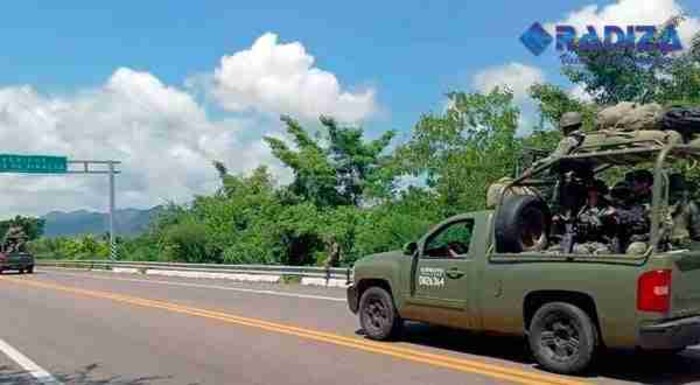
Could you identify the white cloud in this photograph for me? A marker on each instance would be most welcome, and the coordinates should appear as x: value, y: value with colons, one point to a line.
x: 579, y: 92
x: 273, y: 77
x: 517, y: 77
x: 632, y: 12
x: 162, y: 135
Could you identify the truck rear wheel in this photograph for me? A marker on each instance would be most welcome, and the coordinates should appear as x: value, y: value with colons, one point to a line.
x: 562, y: 338
x: 30, y: 269
x: 378, y: 316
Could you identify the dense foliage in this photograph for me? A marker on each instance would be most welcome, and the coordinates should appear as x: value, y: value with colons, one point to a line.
x: 351, y: 196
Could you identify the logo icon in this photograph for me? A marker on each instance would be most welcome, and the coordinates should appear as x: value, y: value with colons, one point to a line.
x: 536, y: 38
x: 640, y: 38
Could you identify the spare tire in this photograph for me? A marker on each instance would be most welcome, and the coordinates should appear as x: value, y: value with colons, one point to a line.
x: 685, y: 120
x: 522, y: 224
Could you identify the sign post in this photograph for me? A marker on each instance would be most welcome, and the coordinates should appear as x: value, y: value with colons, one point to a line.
x: 98, y: 167
x: 54, y: 165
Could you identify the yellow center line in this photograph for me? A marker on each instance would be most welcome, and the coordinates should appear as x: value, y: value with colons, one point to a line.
x: 464, y: 365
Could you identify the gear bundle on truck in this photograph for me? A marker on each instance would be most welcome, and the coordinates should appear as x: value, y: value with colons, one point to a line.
x: 492, y: 271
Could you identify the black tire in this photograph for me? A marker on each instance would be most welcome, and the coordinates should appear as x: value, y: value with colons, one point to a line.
x: 522, y: 224
x: 684, y: 120
x: 562, y: 338
x: 30, y: 269
x: 21, y: 271
x: 378, y: 316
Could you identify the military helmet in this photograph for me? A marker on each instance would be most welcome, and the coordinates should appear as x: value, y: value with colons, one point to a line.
x: 570, y: 121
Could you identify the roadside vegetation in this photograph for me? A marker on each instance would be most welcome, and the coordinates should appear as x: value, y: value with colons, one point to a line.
x: 352, y: 195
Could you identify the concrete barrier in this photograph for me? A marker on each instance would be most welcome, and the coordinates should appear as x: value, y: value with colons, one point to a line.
x: 211, y: 275
x: 307, y: 281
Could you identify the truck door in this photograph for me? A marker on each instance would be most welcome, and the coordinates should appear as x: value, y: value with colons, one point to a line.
x: 442, y: 272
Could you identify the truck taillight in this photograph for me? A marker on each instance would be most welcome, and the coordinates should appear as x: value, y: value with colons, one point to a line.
x: 654, y: 291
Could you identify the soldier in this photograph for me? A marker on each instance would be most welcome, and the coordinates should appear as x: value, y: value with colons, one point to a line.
x: 632, y: 218
x: 683, y: 214
x: 570, y: 125
x: 595, y: 222
x: 14, y: 239
x: 641, y: 182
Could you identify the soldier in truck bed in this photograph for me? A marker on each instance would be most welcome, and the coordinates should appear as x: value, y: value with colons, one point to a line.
x: 683, y: 214
x: 632, y: 218
x: 595, y: 222
x: 14, y: 239
x: 570, y: 125
x: 640, y: 182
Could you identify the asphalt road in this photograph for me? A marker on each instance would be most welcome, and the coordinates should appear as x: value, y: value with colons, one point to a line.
x: 70, y: 327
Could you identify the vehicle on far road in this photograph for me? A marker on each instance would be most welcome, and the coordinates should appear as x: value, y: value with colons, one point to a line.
x: 13, y: 251
x: 22, y: 262
x: 493, y: 271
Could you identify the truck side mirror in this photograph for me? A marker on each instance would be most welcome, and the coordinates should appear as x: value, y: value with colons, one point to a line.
x: 410, y: 248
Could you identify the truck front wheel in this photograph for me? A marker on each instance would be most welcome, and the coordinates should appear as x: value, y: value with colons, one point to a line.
x: 562, y: 338
x: 378, y: 316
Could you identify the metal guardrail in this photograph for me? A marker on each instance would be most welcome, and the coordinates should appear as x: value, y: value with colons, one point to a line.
x: 293, y: 271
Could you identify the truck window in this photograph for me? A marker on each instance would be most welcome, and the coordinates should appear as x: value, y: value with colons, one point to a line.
x: 451, y: 241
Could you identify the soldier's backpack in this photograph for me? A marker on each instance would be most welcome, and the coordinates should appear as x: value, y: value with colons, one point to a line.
x: 684, y: 120
x: 628, y: 116
x: 497, y: 188
x: 612, y: 139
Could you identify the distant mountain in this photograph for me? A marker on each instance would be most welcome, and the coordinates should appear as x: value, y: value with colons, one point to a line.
x: 127, y: 222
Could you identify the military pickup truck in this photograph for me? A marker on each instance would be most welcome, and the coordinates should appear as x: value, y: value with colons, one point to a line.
x: 489, y: 271
x: 21, y: 262
x: 13, y: 252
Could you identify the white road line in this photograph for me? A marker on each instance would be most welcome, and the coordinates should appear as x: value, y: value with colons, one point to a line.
x: 36, y: 371
x: 201, y: 286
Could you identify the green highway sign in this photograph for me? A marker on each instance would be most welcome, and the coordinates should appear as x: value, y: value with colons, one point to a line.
x: 34, y: 164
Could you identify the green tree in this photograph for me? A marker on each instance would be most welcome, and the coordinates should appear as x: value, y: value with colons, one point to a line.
x: 331, y: 174
x: 636, y: 75
x: 459, y: 152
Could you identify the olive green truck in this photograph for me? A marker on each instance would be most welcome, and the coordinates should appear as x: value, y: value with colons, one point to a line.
x: 569, y: 306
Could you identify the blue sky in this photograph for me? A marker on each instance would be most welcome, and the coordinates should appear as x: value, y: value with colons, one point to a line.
x: 108, y: 79
x: 412, y: 51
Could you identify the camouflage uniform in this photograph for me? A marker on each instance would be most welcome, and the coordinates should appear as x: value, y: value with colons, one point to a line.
x: 682, y: 216
x: 595, y: 233
x: 640, y: 182
x: 632, y: 213
x: 570, y: 125
x: 14, y: 239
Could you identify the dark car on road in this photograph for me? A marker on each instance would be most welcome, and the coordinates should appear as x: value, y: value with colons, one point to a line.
x: 23, y: 262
